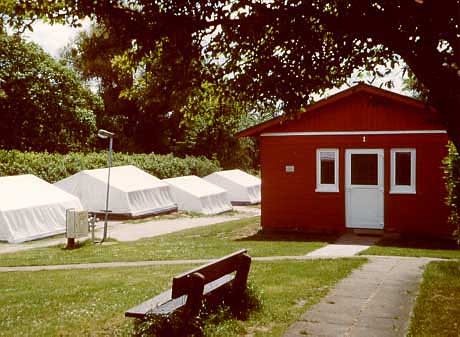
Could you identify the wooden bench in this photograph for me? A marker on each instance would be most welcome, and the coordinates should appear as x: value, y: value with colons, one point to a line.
x: 190, y: 288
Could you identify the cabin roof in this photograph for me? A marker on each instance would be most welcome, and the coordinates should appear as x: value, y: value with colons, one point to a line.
x: 359, y: 88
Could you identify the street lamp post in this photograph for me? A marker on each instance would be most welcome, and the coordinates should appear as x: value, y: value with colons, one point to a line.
x: 104, y: 134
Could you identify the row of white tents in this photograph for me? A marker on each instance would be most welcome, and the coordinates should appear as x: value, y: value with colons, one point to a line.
x: 133, y: 192
x: 31, y: 208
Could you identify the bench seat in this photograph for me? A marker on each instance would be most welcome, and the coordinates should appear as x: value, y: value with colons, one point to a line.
x: 164, y: 304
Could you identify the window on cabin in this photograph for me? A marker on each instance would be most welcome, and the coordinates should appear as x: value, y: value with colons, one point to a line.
x: 364, y: 169
x: 402, y: 171
x: 327, y: 170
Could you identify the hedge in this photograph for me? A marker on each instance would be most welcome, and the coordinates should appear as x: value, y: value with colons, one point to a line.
x: 452, y: 181
x: 53, y: 167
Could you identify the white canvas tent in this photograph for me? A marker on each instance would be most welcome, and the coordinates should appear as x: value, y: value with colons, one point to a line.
x: 133, y: 192
x: 31, y: 208
x: 242, y: 187
x: 195, y: 194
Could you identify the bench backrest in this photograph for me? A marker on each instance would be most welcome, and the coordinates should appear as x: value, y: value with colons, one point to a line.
x: 211, y: 271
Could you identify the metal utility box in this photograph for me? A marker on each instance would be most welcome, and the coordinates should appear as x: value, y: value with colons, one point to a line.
x: 76, y: 223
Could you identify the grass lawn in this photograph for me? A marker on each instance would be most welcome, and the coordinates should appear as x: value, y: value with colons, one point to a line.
x: 205, y: 242
x: 415, y: 247
x: 437, y: 310
x: 92, y: 302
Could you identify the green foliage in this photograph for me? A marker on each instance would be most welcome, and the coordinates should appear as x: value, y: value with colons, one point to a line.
x: 211, y: 118
x: 287, y: 50
x: 210, y: 316
x: 143, y: 92
x: 43, y: 105
x: 452, y: 182
x: 280, y: 48
x: 177, y: 325
x: 90, y: 55
x: 414, y: 87
x: 164, y: 99
x: 53, y: 167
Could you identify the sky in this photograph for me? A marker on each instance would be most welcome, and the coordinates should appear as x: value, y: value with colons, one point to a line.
x: 53, y: 38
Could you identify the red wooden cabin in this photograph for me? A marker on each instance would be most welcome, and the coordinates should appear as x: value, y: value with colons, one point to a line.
x: 364, y: 158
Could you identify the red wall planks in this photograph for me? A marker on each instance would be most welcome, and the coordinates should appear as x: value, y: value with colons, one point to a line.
x: 289, y: 200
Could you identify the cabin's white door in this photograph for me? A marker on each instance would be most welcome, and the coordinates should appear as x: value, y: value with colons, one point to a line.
x: 364, y: 199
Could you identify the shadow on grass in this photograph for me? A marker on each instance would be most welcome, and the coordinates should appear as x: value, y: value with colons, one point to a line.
x: 418, y: 243
x: 216, y: 309
x: 385, y: 241
x: 290, y: 236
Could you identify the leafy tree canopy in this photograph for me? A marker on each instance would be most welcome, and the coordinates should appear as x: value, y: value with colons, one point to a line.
x: 163, y: 101
x: 211, y: 117
x: 43, y: 105
x: 143, y: 93
x: 288, y: 49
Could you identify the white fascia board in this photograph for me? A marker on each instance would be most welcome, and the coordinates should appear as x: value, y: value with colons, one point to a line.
x: 350, y: 133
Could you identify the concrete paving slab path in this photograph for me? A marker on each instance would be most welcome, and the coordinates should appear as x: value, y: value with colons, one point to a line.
x: 337, y: 250
x: 98, y: 265
x: 375, y: 300
x: 124, y: 231
x: 347, y: 245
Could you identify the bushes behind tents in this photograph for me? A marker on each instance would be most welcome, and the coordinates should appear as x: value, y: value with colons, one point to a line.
x: 53, y: 167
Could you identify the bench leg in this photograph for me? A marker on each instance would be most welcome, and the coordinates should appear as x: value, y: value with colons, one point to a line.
x: 195, y: 295
x: 241, y: 277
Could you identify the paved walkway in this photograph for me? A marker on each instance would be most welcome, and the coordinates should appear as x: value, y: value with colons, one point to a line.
x: 98, y: 265
x: 346, y: 246
x: 136, y: 231
x: 374, y: 301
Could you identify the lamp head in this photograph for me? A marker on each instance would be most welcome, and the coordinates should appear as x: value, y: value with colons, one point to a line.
x: 104, y: 134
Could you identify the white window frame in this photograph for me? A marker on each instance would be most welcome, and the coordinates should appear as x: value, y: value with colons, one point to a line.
x: 403, y: 189
x: 327, y: 187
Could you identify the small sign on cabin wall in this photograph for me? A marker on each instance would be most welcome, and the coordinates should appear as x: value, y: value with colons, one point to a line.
x: 289, y: 168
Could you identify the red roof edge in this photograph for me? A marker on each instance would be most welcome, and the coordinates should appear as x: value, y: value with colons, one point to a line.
x: 256, y: 130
